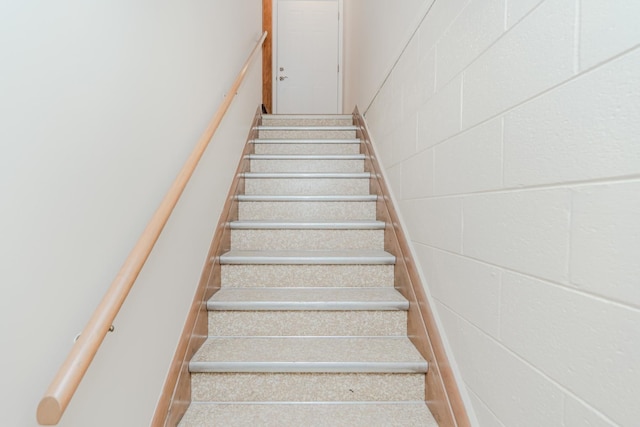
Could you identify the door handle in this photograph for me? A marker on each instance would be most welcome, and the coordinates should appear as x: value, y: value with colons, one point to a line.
x: 283, y: 77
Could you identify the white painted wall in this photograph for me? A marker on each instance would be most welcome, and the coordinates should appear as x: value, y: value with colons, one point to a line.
x: 509, y: 132
x: 100, y: 104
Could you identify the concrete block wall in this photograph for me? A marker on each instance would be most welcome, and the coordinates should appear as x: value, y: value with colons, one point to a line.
x: 509, y: 133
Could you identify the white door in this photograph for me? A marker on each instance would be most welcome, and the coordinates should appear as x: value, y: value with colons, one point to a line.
x: 307, y: 57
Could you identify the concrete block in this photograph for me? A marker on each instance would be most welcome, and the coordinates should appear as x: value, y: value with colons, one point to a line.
x: 576, y: 414
x: 468, y: 287
x: 417, y: 175
x: 471, y: 161
x: 434, y: 222
x: 426, y: 76
x: 404, y: 145
x: 577, y: 340
x: 485, y: 417
x: 508, y: 73
x: 584, y: 130
x: 525, y: 231
x: 438, y: 20
x: 517, y: 394
x: 439, y: 118
x: 517, y: 9
x: 479, y: 25
x: 605, y: 240
x: 607, y: 29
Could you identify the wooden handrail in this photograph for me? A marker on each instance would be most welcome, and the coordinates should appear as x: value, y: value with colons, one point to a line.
x: 66, y: 381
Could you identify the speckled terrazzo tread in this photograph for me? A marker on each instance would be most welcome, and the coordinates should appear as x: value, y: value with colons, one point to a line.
x: 333, y: 132
x: 380, y: 414
x: 306, y: 209
x: 347, y: 323
x: 347, y: 185
x: 359, y: 257
x: 306, y: 387
x: 297, y: 146
x: 303, y: 198
x: 307, y: 225
x: 314, y: 157
x: 306, y: 239
x: 306, y: 175
x: 256, y: 299
x: 307, y: 163
x: 298, y: 235
x: 307, y: 120
x: 308, y: 354
x: 309, y: 275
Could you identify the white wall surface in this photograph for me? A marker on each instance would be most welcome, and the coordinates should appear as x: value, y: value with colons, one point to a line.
x: 509, y: 133
x: 100, y: 105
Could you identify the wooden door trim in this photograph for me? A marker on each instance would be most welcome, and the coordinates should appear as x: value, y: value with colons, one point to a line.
x: 267, y: 55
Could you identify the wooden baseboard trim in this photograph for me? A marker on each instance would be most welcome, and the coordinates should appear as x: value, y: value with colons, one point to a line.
x: 176, y: 392
x: 442, y: 393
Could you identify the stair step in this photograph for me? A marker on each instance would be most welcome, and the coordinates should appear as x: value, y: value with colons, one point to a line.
x: 341, y: 163
x: 295, y: 323
x: 307, y: 198
x: 307, y: 146
x: 308, y: 128
x: 307, y: 120
x: 298, y: 225
x: 277, y: 276
x: 306, y: 141
x: 321, y: 414
x: 308, y: 354
x: 257, y: 299
x: 308, y: 116
x: 305, y: 156
x: 307, y: 183
x: 308, y: 257
x: 306, y: 175
x: 307, y: 132
x: 289, y: 239
x: 307, y: 387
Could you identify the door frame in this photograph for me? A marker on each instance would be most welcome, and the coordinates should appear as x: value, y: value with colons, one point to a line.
x: 274, y: 50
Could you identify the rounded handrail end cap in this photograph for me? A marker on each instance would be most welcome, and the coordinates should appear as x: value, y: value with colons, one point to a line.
x: 49, y: 411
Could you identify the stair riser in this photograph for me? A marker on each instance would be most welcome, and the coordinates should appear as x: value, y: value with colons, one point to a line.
x: 307, y: 165
x: 306, y: 134
x: 326, y: 211
x: 323, y: 414
x: 307, y: 186
x: 321, y: 276
x: 307, y: 323
x: 233, y: 387
x: 306, y: 239
x: 266, y: 121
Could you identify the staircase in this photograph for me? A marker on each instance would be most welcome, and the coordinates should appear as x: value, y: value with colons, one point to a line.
x: 307, y: 328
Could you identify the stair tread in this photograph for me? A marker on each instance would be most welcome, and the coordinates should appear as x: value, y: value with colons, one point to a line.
x: 306, y: 198
x: 321, y: 414
x: 361, y: 256
x: 307, y: 116
x: 306, y: 156
x: 308, y: 354
x: 255, y: 299
x: 308, y: 128
x: 307, y: 225
x: 311, y: 175
x: 306, y: 141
